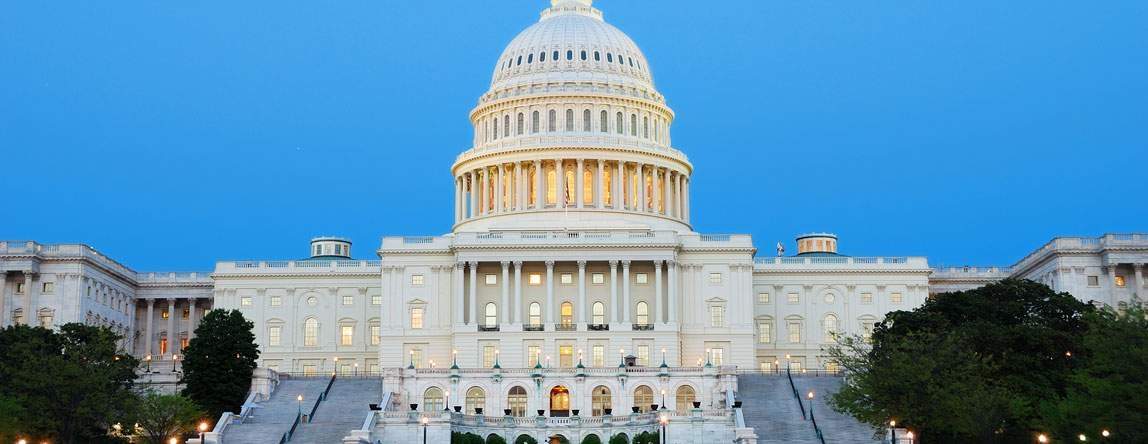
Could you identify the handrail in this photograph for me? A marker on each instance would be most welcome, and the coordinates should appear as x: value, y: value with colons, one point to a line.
x: 322, y: 396
x: 796, y: 395
x: 291, y: 432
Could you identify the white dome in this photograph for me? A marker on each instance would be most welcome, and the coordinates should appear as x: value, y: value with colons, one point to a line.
x: 588, y: 50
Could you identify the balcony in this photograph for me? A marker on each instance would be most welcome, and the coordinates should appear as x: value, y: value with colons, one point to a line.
x: 643, y: 327
x: 533, y: 327
x: 488, y: 327
x: 598, y: 327
x: 565, y: 327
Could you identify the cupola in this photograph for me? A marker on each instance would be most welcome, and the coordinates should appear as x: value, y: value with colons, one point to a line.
x: 817, y: 244
x: 327, y: 247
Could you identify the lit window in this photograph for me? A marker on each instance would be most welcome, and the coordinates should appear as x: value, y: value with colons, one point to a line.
x: 643, y: 313
x: 641, y: 278
x: 598, y: 278
x: 1093, y: 281
x: 491, y: 314
x: 245, y: 301
x: 566, y: 356
x: 866, y: 298
x: 516, y: 400
x: 599, y: 314
x: 432, y: 397
x: 717, y: 356
x: 793, y: 298
x: 310, y: 332
x: 491, y: 279
x: 274, y: 335
x: 187, y: 313
x: 717, y: 316
x: 763, y: 298
x: 532, y: 355
x: 765, y: 331
x: 644, y: 355
x: 488, y: 356
x: 598, y: 355
x: 567, y: 314
x: 164, y: 314
x: 795, y: 364
x: 1119, y: 281
x: 830, y: 326
x: 417, y: 318
x: 50, y: 287
x: 417, y: 280
x: 715, y: 278
x: 276, y: 300
x: 376, y: 335
x: 794, y: 332
x: 895, y: 298
x: 376, y: 299
x: 348, y: 300
x: 417, y: 359
x: 19, y: 288
x: 535, y: 314
x: 600, y: 400
x: 347, y: 335
x: 566, y: 278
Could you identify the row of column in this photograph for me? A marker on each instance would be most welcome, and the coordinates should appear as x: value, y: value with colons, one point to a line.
x: 508, y: 187
x: 468, y: 295
x: 172, y: 336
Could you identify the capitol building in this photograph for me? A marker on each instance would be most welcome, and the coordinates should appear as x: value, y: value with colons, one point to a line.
x: 572, y: 294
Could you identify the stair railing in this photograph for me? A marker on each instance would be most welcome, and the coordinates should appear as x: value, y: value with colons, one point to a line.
x: 322, y: 396
x: 299, y: 416
x: 796, y: 395
x: 291, y: 432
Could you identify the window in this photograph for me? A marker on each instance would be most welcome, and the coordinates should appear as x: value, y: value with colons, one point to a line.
x: 475, y: 399
x: 794, y: 328
x: 866, y: 298
x: 432, y: 400
x: 310, y: 332
x: 19, y: 288
x: 604, y: 125
x: 600, y: 401
x: 529, y: 59
x: 643, y: 398
x: 535, y: 313
x: 46, y: 318
x: 275, y: 335
x: 641, y: 278
x: 764, y: 331
x: 717, y: 316
x: 491, y: 315
x: 717, y: 356
x: 830, y: 297
x: 829, y: 324
x: 346, y: 335
x: 569, y: 120
x: 895, y: 298
x: 516, y: 401
x: 645, y: 127
x: 164, y: 314
x: 534, y: 123
x: 598, y: 355
x: 586, y: 120
x: 643, y: 310
x: 599, y: 313
x: 187, y: 313
x: 610, y: 57
x: 50, y: 287
x: 519, y: 61
x: 795, y: 364
x: 1119, y: 282
x: 570, y: 55
x: 555, y: 56
x: 318, y: 250
x: 566, y: 278
x: 598, y: 278
x: 348, y: 300
x: 521, y: 127
x: 566, y: 356
x: 491, y: 279
x: 376, y: 335
x: 793, y: 298
x: 867, y: 330
x: 567, y: 313
x: 685, y: 398
x: 1093, y: 281
x: 597, y: 56
x: 377, y: 299
x: 763, y: 298
x: 533, y: 353
x: 489, y: 352
x: 417, y: 318
x: 644, y: 355
x: 276, y: 300
x: 620, y: 124
x: 633, y: 124
x: 418, y: 280
x: 715, y: 278
x: 542, y: 56
x: 245, y: 301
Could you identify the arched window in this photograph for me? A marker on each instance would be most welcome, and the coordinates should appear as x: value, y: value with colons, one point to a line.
x: 620, y: 61
x: 491, y: 315
x: 830, y: 326
x: 542, y: 56
x: 610, y: 58
x: 604, y: 125
x: 645, y: 127
x: 684, y: 399
x: 586, y: 119
x: 552, y: 186
x: 311, y: 332
x: 521, y: 124
x: 555, y: 56
x: 432, y: 400
x: 587, y: 186
x: 475, y: 399
x: 633, y: 124
x: 569, y: 120
x: 534, y: 123
x: 553, y: 121
x: 570, y: 54
x: 643, y: 398
x: 506, y: 125
x: 600, y: 400
x: 643, y: 313
x: 519, y: 61
x: 530, y: 59
x: 516, y: 401
x: 567, y: 314
x: 535, y: 313
x: 597, y: 56
x: 599, y: 313
x: 583, y: 55
x: 631, y: 60
x: 621, y: 121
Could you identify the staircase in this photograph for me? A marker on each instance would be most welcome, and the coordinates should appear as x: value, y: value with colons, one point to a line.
x: 345, y: 408
x: 836, y: 427
x: 769, y: 407
x: 273, y: 417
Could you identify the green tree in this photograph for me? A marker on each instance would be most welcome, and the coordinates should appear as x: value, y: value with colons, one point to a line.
x: 495, y: 439
x: 163, y: 416
x: 67, y: 386
x: 1109, y: 390
x: 973, y: 366
x: 219, y: 362
x: 525, y: 439
x: 591, y: 439
x: 619, y: 439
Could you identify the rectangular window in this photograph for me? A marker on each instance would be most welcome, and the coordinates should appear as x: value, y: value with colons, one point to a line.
x: 765, y: 332
x: 793, y: 298
x: 566, y: 356
x: 488, y: 356
x: 895, y: 298
x: 376, y: 299
x: 186, y: 313
x: 795, y: 364
x: 276, y: 300
x: 717, y: 316
x: 598, y: 355
x: 763, y: 298
x: 376, y: 334
x: 348, y: 300
x: 1119, y: 282
x: 766, y: 366
x: 50, y: 287
x: 717, y: 356
x: 491, y: 279
x: 19, y: 288
x: 566, y: 278
x: 641, y: 278
x: 598, y: 278
x: 644, y: 355
x: 373, y: 367
x: 347, y: 335
x: 274, y: 335
x: 534, y: 279
x: 417, y: 318
x: 417, y: 357
x: 1093, y: 281
x: 532, y: 355
x: 794, y: 332
x: 417, y: 280
x: 245, y: 301
x: 866, y: 298
x: 715, y: 278
x: 164, y: 314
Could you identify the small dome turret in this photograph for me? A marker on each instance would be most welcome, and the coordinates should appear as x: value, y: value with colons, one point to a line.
x: 327, y: 247
x: 817, y: 244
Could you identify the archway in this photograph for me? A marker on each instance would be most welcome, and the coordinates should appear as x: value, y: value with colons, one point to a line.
x: 558, y: 439
x: 559, y: 402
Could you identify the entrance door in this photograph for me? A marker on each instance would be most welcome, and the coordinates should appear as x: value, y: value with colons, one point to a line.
x: 559, y: 402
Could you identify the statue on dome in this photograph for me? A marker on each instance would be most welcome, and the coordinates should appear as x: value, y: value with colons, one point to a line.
x: 780, y: 250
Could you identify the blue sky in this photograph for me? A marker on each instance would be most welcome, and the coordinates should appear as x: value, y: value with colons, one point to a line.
x: 173, y: 134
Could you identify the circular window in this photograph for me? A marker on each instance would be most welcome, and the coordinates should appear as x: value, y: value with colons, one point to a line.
x: 312, y: 301
x: 829, y: 298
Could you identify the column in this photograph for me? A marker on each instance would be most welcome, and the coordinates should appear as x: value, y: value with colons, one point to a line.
x: 499, y: 189
x: 457, y: 200
x: 505, y: 292
x: 456, y: 295
x: 148, y: 327
x: 678, y: 195
x: 666, y: 193
x: 614, y: 290
x: 485, y: 204
x: 686, y: 200
x: 656, y: 186
x: 599, y: 196
x: 578, y: 181
x: 560, y: 183
x: 539, y: 189
x: 641, y: 188
x: 658, y: 307
x: 517, y: 309
x: 581, y: 292
x: 472, y: 301
x: 29, y: 302
x: 192, y: 319
x: 522, y: 191
x: 549, y: 292
x: 1139, y: 269
x: 626, y: 319
x: 672, y: 300
x: 619, y: 197
x: 470, y: 182
x: 172, y: 337
x: 4, y: 299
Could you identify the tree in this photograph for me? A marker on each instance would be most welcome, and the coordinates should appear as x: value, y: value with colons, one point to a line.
x: 525, y: 439
x: 1109, y: 390
x: 591, y: 439
x: 619, y: 439
x: 219, y: 362
x: 495, y: 439
x: 67, y: 386
x: 163, y: 416
x: 973, y: 366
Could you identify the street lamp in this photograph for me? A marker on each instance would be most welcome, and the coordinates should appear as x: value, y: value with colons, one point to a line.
x: 202, y: 430
x: 810, y: 396
x: 22, y: 441
x: 1042, y: 438
x: 1082, y: 438
x: 663, y: 397
x: 336, y: 365
x: 148, y: 359
x: 909, y: 435
x: 173, y: 441
x: 893, y: 430
x: 1105, y: 434
x: 665, y: 420
x: 300, y: 400
x: 426, y: 422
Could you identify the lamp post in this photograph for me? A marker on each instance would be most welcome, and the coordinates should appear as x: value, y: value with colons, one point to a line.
x: 909, y: 435
x: 893, y: 430
x: 426, y: 422
x: 202, y: 430
x: 148, y: 359
x: 175, y: 365
x: 663, y: 397
x: 1082, y: 438
x: 665, y: 419
x: 1042, y: 438
x: 1104, y: 434
x: 810, y: 396
x: 173, y: 441
x: 336, y: 365
x: 300, y: 400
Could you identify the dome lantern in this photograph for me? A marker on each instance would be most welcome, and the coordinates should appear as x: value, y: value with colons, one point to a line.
x: 817, y: 243
x: 327, y: 247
